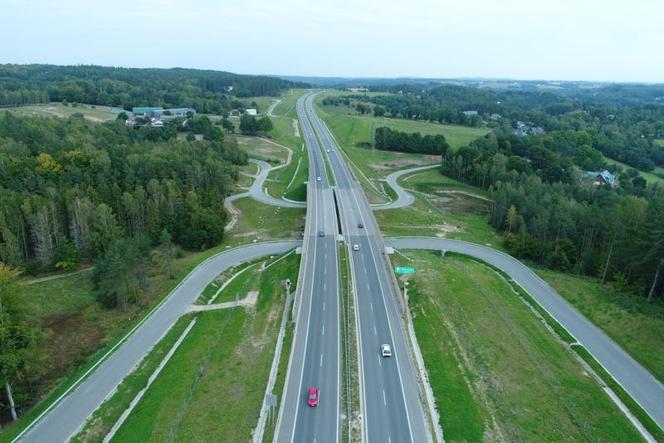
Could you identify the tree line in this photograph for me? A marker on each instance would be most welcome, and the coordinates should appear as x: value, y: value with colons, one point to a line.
x: 552, y: 216
x: 625, y: 130
x: 206, y: 91
x: 387, y: 139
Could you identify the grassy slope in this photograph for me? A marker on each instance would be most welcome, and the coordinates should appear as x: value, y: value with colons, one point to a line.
x: 636, y: 325
x: 495, y: 369
x: 221, y: 366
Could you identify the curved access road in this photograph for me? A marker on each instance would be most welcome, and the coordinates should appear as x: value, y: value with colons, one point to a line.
x: 633, y: 377
x: 69, y: 414
x: 258, y: 192
x: 404, y: 198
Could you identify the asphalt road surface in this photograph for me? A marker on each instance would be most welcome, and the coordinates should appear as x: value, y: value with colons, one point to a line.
x: 390, y: 403
x: 67, y: 417
x: 315, y: 357
x: 404, y: 198
x: 633, y: 377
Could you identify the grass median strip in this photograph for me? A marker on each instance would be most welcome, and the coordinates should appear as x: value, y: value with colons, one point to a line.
x: 496, y: 371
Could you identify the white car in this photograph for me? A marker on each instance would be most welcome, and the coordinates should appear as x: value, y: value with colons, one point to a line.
x: 386, y: 350
x: 317, y: 179
x: 356, y: 247
x: 328, y: 150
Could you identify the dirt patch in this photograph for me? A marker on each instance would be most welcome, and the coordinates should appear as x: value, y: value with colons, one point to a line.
x: 69, y: 338
x: 459, y: 203
x: 404, y: 163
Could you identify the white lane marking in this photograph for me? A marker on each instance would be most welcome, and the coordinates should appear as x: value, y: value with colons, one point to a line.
x: 323, y: 330
x: 372, y: 306
x: 365, y: 270
x: 384, y: 400
x: 380, y: 363
x: 321, y: 360
x: 375, y: 332
x: 323, y: 306
x: 324, y: 286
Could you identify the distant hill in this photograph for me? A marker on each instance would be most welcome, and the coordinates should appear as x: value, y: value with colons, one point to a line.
x: 204, y: 90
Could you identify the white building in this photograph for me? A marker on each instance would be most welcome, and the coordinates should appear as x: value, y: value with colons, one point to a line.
x: 251, y: 111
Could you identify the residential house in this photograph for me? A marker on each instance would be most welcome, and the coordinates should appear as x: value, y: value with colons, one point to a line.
x: 601, y: 178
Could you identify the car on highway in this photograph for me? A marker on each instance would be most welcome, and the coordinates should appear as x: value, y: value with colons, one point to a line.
x: 356, y: 247
x: 321, y: 233
x: 328, y: 150
x: 360, y: 225
x: 313, y: 396
x: 317, y: 179
x: 386, y: 350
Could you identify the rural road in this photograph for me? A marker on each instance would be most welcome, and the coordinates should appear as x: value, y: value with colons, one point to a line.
x: 67, y: 417
x: 633, y: 377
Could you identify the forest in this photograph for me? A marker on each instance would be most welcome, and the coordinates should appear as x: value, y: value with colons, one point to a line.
x: 391, y: 140
x: 69, y: 189
x: 552, y: 215
x: 204, y: 90
x: 626, y: 130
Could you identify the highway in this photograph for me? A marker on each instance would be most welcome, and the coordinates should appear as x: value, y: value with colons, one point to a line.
x: 633, y: 377
x: 66, y: 418
x: 315, y: 356
x: 390, y: 403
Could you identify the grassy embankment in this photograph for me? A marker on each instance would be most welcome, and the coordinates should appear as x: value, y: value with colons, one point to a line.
x: 636, y: 325
x: 221, y: 365
x: 496, y: 371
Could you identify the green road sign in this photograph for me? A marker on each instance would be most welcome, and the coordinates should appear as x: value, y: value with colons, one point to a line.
x: 402, y: 270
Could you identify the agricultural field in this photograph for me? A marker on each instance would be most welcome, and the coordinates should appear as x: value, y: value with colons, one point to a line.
x: 496, y: 371
x: 90, y: 112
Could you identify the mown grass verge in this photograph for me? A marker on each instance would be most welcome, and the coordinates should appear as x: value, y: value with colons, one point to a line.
x: 496, y: 371
x: 221, y: 366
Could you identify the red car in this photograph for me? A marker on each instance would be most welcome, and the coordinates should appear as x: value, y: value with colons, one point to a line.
x: 314, y: 397
x: 360, y: 225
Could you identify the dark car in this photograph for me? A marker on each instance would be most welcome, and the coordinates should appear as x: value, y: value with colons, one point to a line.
x: 360, y: 225
x: 313, y: 396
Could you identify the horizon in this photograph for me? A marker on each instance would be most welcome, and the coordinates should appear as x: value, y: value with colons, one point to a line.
x: 516, y: 39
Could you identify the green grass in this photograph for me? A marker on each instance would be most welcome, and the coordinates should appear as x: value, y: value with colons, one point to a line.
x: 259, y: 222
x: 103, y: 419
x: 288, y: 100
x: 633, y: 406
x: 261, y: 149
x: 221, y: 366
x: 90, y: 112
x: 636, y: 325
x: 352, y: 130
x: 231, y: 290
x: 648, y: 176
x: 494, y: 368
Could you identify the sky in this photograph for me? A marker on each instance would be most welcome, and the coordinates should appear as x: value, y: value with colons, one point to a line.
x: 594, y: 40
